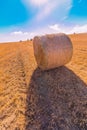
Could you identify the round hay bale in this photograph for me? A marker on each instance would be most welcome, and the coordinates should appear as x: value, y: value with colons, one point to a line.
x: 52, y: 51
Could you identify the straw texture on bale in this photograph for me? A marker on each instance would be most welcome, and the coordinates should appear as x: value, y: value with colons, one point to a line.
x: 52, y: 50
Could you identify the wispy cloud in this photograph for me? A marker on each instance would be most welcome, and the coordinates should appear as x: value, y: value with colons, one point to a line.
x: 37, y: 2
x: 51, y: 6
x: 69, y: 6
x: 46, y: 7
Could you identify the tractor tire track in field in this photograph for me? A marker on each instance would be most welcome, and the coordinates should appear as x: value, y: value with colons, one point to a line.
x: 13, y: 94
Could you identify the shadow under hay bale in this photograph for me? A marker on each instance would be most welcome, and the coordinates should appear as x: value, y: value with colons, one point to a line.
x: 56, y: 100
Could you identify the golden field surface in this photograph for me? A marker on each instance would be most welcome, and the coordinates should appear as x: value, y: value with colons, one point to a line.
x: 31, y: 99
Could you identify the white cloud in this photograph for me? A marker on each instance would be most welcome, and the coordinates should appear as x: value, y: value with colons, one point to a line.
x: 17, y: 33
x: 77, y: 28
x: 58, y: 28
x: 38, y: 2
x: 59, y: 6
x: 16, y: 36
x: 55, y: 27
x: 51, y: 5
x: 46, y: 7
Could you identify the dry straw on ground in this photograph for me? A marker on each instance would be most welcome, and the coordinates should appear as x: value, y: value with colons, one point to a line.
x: 52, y: 51
x: 31, y: 99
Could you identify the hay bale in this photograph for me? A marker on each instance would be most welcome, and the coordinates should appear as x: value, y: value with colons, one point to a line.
x: 52, y: 51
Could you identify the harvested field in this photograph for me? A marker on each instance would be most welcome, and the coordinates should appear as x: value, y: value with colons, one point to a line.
x: 31, y: 99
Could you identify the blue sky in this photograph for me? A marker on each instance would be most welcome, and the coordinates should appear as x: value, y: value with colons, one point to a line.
x: 23, y: 19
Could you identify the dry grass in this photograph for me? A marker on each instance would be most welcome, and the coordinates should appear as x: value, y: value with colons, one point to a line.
x: 34, y: 100
x: 79, y: 60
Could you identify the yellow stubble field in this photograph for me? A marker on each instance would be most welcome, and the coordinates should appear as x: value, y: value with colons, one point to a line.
x: 18, y: 70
